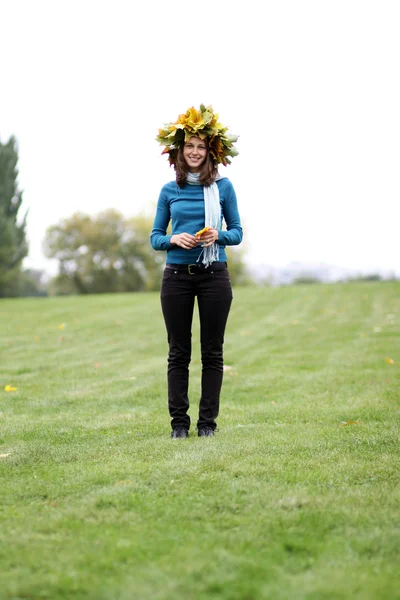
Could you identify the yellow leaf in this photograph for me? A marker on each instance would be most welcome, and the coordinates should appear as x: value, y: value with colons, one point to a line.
x: 9, y: 388
x: 200, y: 233
x: 390, y: 361
x: 61, y: 326
x: 273, y: 402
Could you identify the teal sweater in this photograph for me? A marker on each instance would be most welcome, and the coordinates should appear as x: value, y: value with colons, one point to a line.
x: 185, y: 207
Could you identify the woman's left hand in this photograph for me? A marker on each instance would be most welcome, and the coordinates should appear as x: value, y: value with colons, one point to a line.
x: 208, y: 238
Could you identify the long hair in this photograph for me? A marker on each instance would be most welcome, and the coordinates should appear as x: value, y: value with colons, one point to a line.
x: 208, y: 172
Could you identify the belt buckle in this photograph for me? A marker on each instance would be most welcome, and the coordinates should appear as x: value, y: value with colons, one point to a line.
x: 189, y: 270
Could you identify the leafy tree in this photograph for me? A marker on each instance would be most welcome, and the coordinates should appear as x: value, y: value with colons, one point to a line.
x: 33, y: 283
x: 238, y: 271
x: 13, y: 243
x: 104, y: 253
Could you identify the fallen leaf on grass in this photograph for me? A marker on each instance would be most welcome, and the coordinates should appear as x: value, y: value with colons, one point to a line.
x: 97, y: 365
x: 350, y: 422
x: 5, y: 455
x: 123, y: 482
x: 9, y: 388
x: 61, y: 326
x: 273, y: 402
x: 390, y: 361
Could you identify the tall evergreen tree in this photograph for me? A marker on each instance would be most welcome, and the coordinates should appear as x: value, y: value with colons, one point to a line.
x: 13, y: 243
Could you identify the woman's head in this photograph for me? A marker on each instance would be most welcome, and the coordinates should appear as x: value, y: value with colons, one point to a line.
x: 197, y: 142
x: 193, y: 156
x: 195, y: 152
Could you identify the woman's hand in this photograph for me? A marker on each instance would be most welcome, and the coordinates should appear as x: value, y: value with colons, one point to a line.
x: 208, y: 238
x: 184, y: 240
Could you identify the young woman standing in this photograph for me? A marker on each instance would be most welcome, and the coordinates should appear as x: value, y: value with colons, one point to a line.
x: 196, y: 202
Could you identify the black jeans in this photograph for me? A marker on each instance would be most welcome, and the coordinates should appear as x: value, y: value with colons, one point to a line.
x: 214, y: 297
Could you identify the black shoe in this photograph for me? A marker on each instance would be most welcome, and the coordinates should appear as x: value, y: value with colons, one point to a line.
x: 206, y: 431
x: 179, y: 432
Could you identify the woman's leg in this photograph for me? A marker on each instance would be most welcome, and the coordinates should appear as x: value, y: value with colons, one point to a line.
x: 214, y: 300
x: 177, y: 301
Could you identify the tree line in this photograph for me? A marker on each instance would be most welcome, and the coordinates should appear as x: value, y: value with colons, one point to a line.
x: 101, y: 253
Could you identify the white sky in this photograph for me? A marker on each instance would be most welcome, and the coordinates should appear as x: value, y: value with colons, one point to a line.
x: 311, y: 86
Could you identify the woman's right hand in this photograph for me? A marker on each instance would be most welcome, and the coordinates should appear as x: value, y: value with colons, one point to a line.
x: 184, y: 240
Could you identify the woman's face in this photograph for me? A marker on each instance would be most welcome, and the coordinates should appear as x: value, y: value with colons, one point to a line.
x: 195, y: 153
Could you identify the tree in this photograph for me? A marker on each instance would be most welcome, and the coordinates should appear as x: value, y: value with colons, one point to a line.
x: 33, y: 282
x: 238, y: 271
x: 13, y: 243
x: 103, y: 253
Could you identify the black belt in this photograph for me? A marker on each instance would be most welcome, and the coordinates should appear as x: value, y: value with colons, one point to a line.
x: 196, y: 269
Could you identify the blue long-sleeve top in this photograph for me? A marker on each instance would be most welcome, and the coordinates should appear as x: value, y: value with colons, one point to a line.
x: 185, y: 207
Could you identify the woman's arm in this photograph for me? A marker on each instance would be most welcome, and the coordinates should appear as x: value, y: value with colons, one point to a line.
x: 158, y: 238
x: 234, y: 233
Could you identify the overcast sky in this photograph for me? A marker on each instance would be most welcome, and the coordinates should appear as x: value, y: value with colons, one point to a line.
x: 311, y: 86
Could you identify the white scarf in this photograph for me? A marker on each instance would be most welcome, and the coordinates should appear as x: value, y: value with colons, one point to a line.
x: 212, y: 211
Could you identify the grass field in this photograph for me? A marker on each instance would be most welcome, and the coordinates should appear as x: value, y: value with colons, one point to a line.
x: 297, y: 496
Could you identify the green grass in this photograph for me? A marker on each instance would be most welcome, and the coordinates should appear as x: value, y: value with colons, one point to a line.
x: 97, y: 501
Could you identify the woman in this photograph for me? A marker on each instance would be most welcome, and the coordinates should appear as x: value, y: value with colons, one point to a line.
x: 196, y: 261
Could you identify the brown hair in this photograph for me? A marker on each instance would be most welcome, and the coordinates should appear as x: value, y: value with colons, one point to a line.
x: 208, y: 171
